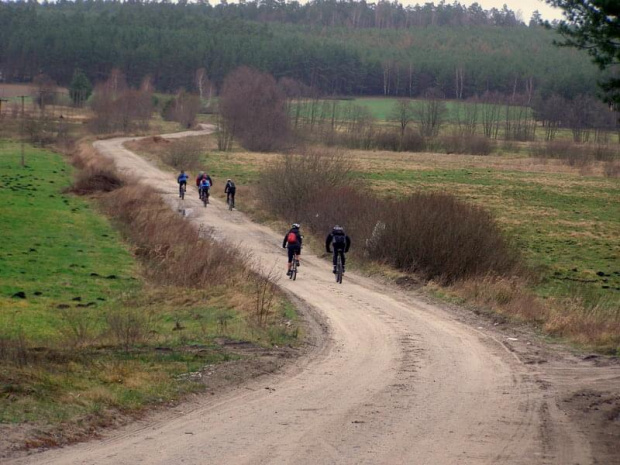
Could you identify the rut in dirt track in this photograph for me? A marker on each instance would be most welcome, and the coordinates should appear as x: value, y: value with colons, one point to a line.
x: 395, y: 381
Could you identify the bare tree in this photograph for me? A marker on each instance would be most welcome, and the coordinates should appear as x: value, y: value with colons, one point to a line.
x: 204, y: 86
x: 431, y: 113
x: 183, y: 108
x: 490, y: 113
x: 255, y: 107
x: 402, y: 113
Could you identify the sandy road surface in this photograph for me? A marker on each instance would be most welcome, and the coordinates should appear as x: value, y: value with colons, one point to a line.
x: 395, y: 381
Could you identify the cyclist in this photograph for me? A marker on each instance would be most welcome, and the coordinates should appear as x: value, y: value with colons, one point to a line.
x: 203, y: 189
x: 292, y: 241
x: 340, y: 242
x: 182, y: 180
x: 230, y: 190
x: 202, y: 175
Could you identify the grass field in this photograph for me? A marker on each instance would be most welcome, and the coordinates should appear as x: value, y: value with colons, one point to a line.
x: 88, y: 336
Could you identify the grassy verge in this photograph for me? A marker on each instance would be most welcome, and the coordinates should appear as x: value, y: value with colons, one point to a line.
x: 83, y: 332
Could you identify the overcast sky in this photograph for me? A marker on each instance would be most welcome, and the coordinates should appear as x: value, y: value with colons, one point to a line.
x: 527, y: 7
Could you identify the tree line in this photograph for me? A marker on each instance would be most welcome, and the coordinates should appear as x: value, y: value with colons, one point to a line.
x: 436, y: 47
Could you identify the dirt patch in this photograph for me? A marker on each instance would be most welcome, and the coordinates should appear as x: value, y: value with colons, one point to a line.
x: 599, y: 414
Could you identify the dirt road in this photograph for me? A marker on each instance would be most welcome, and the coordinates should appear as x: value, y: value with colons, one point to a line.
x: 394, y: 380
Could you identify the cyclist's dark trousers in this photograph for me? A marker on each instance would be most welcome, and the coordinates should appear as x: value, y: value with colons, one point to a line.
x: 293, y: 250
x: 339, y: 250
x: 230, y: 195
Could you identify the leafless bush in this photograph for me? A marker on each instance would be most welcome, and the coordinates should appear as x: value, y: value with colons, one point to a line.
x: 77, y: 327
x: 612, y: 169
x: 296, y: 179
x: 254, y: 109
x: 183, y: 108
x: 265, y: 292
x: 40, y: 129
x: 184, y: 154
x: 95, y: 174
x: 175, y: 252
x: 431, y: 113
x: 129, y: 326
x: 573, y: 154
x: 442, y: 238
x: 119, y: 108
x: 470, y: 144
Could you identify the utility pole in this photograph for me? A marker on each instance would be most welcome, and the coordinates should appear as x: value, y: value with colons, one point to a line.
x: 23, y: 161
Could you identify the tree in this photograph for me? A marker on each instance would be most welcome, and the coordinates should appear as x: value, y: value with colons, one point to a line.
x: 402, y: 113
x: 254, y: 109
x: 431, y: 113
x: 80, y: 88
x: 594, y: 25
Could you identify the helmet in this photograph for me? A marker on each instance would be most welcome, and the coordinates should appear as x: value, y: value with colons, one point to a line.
x: 201, y: 173
x: 338, y: 228
x: 295, y: 225
x: 228, y: 180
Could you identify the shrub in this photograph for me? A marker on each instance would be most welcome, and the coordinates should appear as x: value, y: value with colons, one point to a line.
x: 296, y: 180
x: 441, y: 238
x: 467, y: 144
x: 184, y: 154
x: 612, y: 169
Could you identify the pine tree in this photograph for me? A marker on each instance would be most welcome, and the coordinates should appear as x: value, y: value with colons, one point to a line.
x: 80, y: 88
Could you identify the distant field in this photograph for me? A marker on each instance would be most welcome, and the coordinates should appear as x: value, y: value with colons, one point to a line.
x: 381, y: 107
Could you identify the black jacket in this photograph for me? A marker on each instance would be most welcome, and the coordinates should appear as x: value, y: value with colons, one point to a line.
x: 299, y: 238
x: 229, y: 188
x: 330, y: 240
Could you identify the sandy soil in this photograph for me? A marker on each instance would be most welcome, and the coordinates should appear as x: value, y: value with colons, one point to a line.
x: 394, y: 379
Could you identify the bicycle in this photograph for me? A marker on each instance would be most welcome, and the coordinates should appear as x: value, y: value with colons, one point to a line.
x: 231, y: 204
x: 339, y: 269
x: 182, y: 188
x: 204, y: 196
x: 294, y: 264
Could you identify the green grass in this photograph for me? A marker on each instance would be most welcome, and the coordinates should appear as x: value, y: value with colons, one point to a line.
x: 51, y: 245
x: 566, y: 226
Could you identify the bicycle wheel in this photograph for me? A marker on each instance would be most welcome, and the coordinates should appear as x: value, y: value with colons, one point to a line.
x: 339, y: 270
x: 293, y: 275
x: 230, y: 204
x: 182, y: 192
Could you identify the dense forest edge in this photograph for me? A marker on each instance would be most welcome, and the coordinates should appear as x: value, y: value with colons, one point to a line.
x: 338, y: 48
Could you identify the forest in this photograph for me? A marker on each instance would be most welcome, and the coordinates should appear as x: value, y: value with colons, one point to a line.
x: 336, y: 47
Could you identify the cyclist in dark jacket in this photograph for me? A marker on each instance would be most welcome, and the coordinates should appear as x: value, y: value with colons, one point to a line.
x: 340, y: 242
x: 230, y: 191
x: 292, y: 241
x: 202, y: 175
x: 182, y: 180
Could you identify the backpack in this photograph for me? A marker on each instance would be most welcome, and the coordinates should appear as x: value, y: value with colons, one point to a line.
x: 291, y: 238
x: 340, y: 239
x: 231, y: 185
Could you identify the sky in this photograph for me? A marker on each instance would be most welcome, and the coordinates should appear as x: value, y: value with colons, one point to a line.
x: 527, y: 7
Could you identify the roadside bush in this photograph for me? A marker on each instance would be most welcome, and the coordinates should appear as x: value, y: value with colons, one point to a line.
x: 467, y: 144
x: 184, y: 154
x: 612, y: 169
x: 441, y: 238
x: 296, y: 180
x: 175, y: 251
